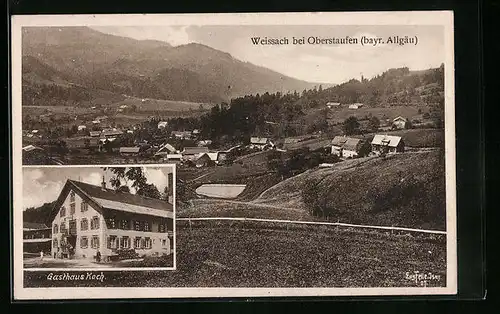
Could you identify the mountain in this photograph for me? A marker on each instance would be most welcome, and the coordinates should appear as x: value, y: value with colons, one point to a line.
x: 88, y: 59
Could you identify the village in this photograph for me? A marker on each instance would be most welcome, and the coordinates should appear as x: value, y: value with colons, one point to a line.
x: 101, y: 139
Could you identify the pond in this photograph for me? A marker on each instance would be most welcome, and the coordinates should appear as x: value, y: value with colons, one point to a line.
x: 221, y: 190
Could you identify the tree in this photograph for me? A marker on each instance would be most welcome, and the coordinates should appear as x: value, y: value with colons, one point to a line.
x: 373, y: 124
x: 138, y: 180
x: 351, y: 126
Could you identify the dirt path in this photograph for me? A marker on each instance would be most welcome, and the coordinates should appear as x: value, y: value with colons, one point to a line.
x: 250, y: 203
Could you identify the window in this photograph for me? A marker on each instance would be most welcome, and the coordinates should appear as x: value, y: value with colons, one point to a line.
x: 162, y: 227
x: 54, y: 243
x: 94, y: 223
x: 125, y: 243
x: 112, y: 242
x: 62, y: 212
x: 84, y: 207
x: 111, y: 223
x: 63, y: 227
x: 84, y: 224
x: 72, y: 207
x: 72, y: 226
x: 72, y: 196
x: 137, y: 243
x: 124, y: 224
x: 95, y: 242
x: 84, y: 242
x: 147, y: 243
x: 163, y: 242
x: 55, y: 230
x: 146, y: 226
x: 137, y: 225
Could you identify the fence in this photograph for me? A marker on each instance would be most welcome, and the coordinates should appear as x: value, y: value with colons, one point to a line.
x: 314, y: 223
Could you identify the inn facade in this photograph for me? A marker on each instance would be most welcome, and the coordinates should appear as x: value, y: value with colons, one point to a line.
x: 87, y: 219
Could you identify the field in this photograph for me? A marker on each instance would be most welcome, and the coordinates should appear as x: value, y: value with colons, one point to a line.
x: 406, y: 190
x: 246, y: 255
x: 336, y: 116
x: 149, y: 105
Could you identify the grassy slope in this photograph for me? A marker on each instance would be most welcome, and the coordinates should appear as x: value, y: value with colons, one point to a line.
x: 253, y: 256
x: 353, y: 187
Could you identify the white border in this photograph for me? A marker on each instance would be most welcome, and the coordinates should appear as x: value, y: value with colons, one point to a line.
x: 438, y: 18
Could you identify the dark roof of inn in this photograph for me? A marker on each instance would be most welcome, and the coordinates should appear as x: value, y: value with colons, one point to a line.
x: 122, y: 197
x: 34, y: 225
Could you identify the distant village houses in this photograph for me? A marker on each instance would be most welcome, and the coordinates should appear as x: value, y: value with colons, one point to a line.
x: 332, y: 105
x: 183, y: 135
x: 355, y: 106
x: 260, y: 143
x: 193, y: 153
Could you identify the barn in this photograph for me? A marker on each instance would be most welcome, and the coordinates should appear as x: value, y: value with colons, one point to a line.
x: 387, y: 144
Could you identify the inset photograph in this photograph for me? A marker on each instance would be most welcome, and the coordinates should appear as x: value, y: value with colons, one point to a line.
x: 98, y: 217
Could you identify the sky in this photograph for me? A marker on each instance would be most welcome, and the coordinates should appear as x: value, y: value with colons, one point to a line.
x: 43, y: 184
x: 314, y: 63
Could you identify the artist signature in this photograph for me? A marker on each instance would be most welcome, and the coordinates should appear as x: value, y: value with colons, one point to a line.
x: 422, y: 279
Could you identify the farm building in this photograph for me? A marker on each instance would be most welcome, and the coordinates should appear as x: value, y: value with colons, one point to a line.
x: 355, y: 106
x: 193, y: 153
x: 165, y: 149
x: 399, y: 123
x: 347, y: 147
x: 107, y: 133
x: 205, y: 160
x: 96, y: 122
x: 173, y: 157
x: 260, y: 143
x: 95, y: 133
x: 87, y: 219
x: 387, y: 144
x: 82, y: 128
x: 36, y: 237
x: 130, y: 151
x: 162, y: 124
x: 184, y: 135
x: 332, y: 105
x: 196, y: 132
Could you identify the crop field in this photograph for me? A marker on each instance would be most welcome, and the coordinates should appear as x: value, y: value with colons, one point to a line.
x: 247, y: 255
x: 149, y: 104
x: 66, y: 110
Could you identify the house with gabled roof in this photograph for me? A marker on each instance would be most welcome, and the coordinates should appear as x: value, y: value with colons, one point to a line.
x: 165, y: 149
x: 87, y: 219
x: 260, y: 143
x: 347, y: 147
x: 399, y: 122
x: 193, y: 153
x: 387, y: 144
x: 332, y: 105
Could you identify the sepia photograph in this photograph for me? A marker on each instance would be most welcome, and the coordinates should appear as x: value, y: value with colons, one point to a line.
x: 308, y: 155
x: 98, y: 217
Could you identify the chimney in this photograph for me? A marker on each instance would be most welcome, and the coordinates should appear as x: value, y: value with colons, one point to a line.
x: 103, y: 184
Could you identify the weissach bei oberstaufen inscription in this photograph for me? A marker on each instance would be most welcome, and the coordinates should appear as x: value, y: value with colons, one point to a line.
x: 347, y: 40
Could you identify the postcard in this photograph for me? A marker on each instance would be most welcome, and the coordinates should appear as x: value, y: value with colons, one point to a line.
x: 233, y: 155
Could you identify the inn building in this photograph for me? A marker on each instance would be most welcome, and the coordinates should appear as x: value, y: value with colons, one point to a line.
x: 87, y: 219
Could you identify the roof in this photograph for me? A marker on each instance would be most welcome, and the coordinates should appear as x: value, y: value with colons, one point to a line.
x: 348, y: 143
x: 356, y: 105
x: 259, y: 140
x: 34, y: 226
x: 386, y: 140
x: 162, y: 123
x: 339, y: 140
x: 400, y: 118
x: 203, y: 157
x: 213, y: 156
x: 112, y: 132
x: 134, y: 149
x: 30, y: 148
x: 166, y: 148
x: 194, y: 150
x: 121, y: 201
x: 333, y: 104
